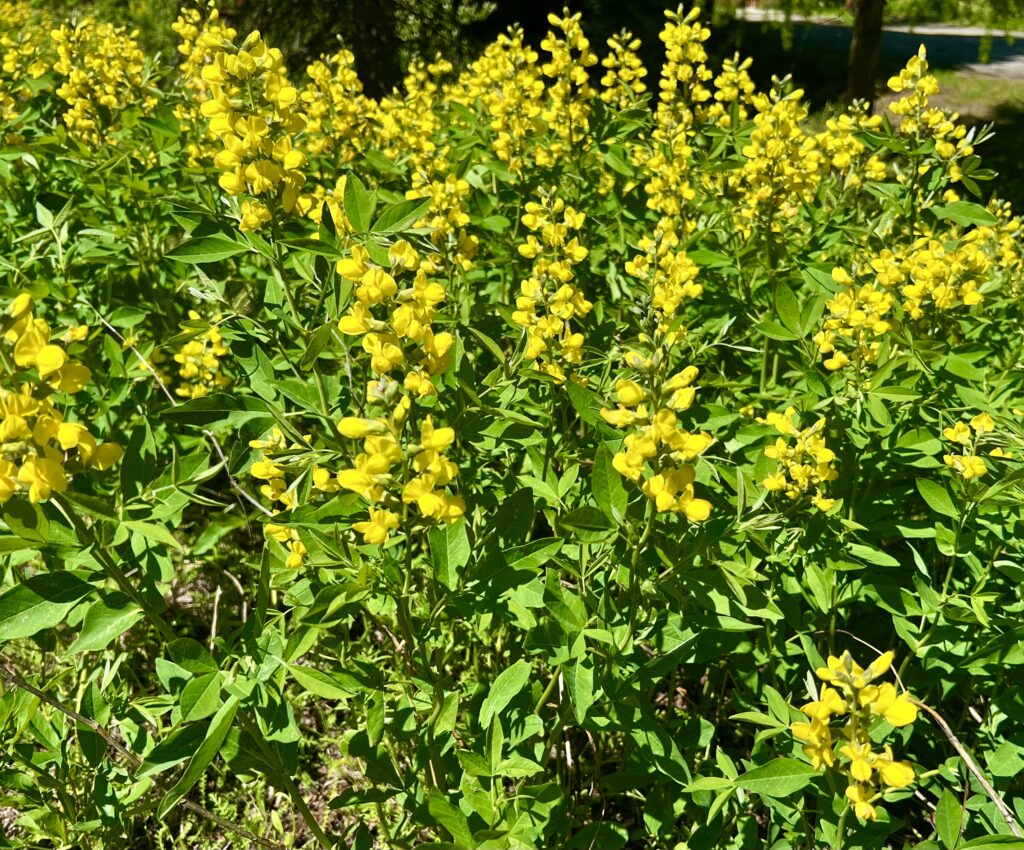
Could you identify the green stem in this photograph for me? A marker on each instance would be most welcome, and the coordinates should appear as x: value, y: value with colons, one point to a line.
x: 841, y: 828
x: 289, y: 784
x: 634, y: 568
x: 110, y: 567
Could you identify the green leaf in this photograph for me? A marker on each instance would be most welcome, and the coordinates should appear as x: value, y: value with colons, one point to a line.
x: 400, y: 216
x: 773, y: 330
x: 708, y: 783
x: 323, y: 684
x: 40, y: 602
x: 217, y: 411
x: 449, y: 552
x: 607, y: 486
x: 359, y: 203
x: 937, y: 497
x: 872, y: 555
x: 505, y: 688
x: 107, y: 618
x: 579, y: 682
x: 216, y: 732
x: 964, y: 213
x: 948, y: 819
x: 587, y: 524
x: 156, y: 533
x: 994, y: 842
x: 319, y: 341
x: 779, y: 778
x: 201, y: 697
x: 207, y: 249
x: 787, y: 308
x: 451, y: 818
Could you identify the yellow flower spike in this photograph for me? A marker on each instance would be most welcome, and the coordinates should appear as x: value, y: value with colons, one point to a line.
x: 436, y: 439
x: 880, y: 666
x: 106, y: 455
x: 968, y: 466
x: 821, y: 503
x: 358, y: 481
x: 71, y: 435
x: 296, y: 554
x: 20, y: 305
x: 818, y: 742
x: 403, y: 255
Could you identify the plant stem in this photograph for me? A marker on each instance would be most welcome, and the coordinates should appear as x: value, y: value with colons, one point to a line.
x: 841, y: 828
x: 634, y: 567
x: 285, y: 779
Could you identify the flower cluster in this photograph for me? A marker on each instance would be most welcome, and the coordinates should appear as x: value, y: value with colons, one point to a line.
x: 508, y: 85
x: 969, y: 463
x: 857, y: 317
x: 649, y: 409
x: 447, y: 216
x: 200, y: 39
x: 279, y: 492
x: 682, y: 92
x: 804, y: 464
x: 101, y: 70
x: 22, y: 57
x: 407, y: 121
x: 398, y: 338
x: 199, y: 362
x: 921, y: 121
x: 845, y: 152
x: 850, y: 693
x: 567, y: 112
x: 394, y: 325
x: 783, y: 163
x: 40, y: 449
x: 423, y: 471
x: 549, y: 299
x: 255, y: 114
x: 668, y: 274
x: 733, y: 89
x: 338, y: 113
x: 623, y: 80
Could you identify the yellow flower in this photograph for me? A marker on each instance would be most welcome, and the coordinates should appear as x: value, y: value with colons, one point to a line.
x: 959, y: 433
x: 982, y: 424
x: 897, y: 709
x: 818, y: 742
x: 968, y: 466
x: 829, y: 703
x: 895, y: 774
x: 377, y: 529
x: 861, y: 796
x: 43, y: 476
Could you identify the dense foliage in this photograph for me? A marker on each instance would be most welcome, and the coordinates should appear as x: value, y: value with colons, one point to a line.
x: 524, y: 459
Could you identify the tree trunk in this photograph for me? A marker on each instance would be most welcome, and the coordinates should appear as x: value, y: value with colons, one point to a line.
x: 867, y: 38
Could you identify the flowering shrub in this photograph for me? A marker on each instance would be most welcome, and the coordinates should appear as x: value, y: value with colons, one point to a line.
x: 492, y: 465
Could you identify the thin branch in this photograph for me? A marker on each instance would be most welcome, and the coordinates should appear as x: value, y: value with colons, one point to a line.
x: 132, y: 760
x: 972, y: 766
